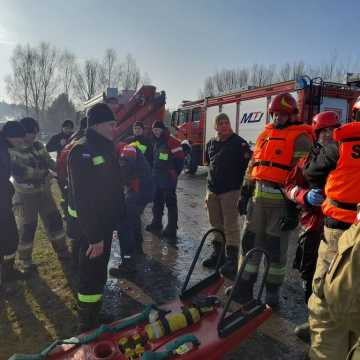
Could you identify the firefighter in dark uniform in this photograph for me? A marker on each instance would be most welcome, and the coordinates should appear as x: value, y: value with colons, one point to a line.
x: 96, y: 198
x: 143, y: 143
x: 168, y: 163
x: 11, y: 135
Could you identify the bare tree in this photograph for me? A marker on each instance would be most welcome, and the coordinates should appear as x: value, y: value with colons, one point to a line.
x: 110, y: 70
x: 284, y: 73
x: 67, y: 68
x: 33, y: 76
x: 131, y: 76
x: 86, y: 80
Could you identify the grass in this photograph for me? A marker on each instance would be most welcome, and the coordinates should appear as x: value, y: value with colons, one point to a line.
x: 42, y: 308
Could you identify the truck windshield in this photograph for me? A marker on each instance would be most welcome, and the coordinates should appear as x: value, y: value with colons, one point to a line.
x: 183, y: 117
x: 196, y: 115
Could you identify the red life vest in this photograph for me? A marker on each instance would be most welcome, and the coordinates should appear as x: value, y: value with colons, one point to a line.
x: 342, y: 185
x: 274, y: 152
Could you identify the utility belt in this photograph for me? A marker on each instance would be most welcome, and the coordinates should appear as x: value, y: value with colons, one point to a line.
x: 27, y: 186
x: 272, y: 164
x: 264, y: 187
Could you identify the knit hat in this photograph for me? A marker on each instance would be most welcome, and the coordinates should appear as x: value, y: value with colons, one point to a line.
x: 99, y: 113
x: 139, y: 124
x: 13, y: 129
x: 68, y: 124
x: 157, y: 124
x: 30, y: 125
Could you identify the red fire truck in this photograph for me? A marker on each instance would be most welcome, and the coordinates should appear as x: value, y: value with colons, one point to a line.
x: 145, y: 105
x: 247, y: 110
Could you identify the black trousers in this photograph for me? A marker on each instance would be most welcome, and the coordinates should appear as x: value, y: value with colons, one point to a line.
x: 164, y: 197
x: 93, y: 272
x: 9, y: 237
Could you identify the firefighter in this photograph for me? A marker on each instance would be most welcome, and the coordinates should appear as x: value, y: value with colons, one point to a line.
x: 136, y: 171
x: 227, y: 155
x: 168, y: 162
x: 143, y: 143
x: 72, y: 225
x: 271, y: 216
x: 311, y: 218
x: 56, y: 144
x: 337, y: 167
x: 58, y: 141
x: 12, y: 135
x: 342, y: 293
x: 96, y: 199
x: 31, y: 165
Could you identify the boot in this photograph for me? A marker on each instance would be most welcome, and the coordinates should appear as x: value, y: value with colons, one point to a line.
x: 211, y: 261
x: 303, y: 332
x: 272, y: 295
x: 128, y: 266
x: 171, y: 227
x: 243, y: 292
x: 154, y: 227
x: 88, y: 314
x: 230, y: 267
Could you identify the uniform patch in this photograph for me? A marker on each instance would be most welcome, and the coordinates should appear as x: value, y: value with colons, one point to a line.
x: 86, y: 155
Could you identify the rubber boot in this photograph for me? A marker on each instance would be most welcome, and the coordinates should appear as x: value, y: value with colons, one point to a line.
x: 127, y: 266
x: 243, y: 292
x: 230, y: 267
x: 303, y: 332
x: 155, y: 226
x: 211, y: 261
x: 88, y: 314
x: 272, y: 295
x: 171, y: 227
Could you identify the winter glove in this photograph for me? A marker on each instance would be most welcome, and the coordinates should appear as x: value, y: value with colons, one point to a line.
x: 315, y: 197
x: 245, y: 195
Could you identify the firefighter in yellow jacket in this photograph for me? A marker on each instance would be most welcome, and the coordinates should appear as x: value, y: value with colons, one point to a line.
x: 270, y: 215
x: 30, y: 170
x: 342, y: 294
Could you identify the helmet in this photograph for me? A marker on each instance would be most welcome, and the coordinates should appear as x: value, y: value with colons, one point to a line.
x: 284, y: 103
x: 356, y: 110
x: 325, y: 119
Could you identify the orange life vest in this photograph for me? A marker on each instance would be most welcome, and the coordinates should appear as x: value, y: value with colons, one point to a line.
x: 342, y: 185
x: 274, y: 152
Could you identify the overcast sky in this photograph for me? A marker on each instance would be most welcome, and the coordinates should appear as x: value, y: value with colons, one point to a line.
x: 179, y: 43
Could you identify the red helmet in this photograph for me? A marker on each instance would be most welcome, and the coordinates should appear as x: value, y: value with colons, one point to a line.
x: 283, y: 103
x: 325, y: 119
x: 356, y: 110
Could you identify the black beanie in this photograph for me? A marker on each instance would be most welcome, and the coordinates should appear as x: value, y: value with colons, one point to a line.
x: 99, y: 113
x: 68, y: 124
x: 13, y: 129
x: 30, y: 125
x: 139, y: 124
x: 158, y: 125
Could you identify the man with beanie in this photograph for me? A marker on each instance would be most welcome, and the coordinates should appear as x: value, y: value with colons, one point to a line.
x: 12, y: 135
x: 227, y: 155
x: 168, y: 162
x: 96, y: 199
x: 58, y: 141
x: 142, y: 142
x: 31, y: 165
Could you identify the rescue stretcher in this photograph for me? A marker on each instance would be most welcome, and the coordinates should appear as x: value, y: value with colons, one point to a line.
x: 195, y: 326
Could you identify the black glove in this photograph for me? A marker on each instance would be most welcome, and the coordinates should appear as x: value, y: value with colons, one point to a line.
x: 288, y: 223
x: 245, y: 195
x: 242, y: 205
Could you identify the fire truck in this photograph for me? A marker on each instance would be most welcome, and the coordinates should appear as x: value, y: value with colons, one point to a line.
x: 145, y: 105
x: 248, y: 111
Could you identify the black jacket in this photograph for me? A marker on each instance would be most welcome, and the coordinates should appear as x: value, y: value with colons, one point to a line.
x: 54, y: 144
x: 145, y: 141
x: 96, y: 186
x: 227, y: 162
x: 6, y: 188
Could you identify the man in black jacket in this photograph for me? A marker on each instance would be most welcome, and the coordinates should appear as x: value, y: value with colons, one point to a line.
x: 12, y: 134
x: 227, y: 155
x: 58, y: 141
x: 96, y: 198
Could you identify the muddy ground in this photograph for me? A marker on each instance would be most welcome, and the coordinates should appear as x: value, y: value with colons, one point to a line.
x: 43, y: 308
